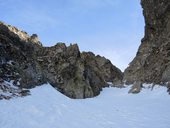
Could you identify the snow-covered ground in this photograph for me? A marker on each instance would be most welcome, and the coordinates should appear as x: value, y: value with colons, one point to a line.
x: 114, y: 108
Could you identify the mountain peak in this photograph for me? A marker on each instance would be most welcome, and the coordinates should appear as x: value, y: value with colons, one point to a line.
x: 22, y: 35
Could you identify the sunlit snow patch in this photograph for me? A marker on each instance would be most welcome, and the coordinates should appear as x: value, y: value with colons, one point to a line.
x: 114, y: 108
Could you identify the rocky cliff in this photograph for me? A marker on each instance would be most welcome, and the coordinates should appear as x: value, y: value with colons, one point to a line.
x: 152, y: 61
x: 25, y: 63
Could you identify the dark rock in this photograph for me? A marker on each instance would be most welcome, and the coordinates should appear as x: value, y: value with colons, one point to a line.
x: 24, y: 92
x: 102, y: 66
x: 34, y: 38
x: 24, y: 60
x: 168, y: 87
x: 1, y: 80
x: 152, y: 61
x: 8, y: 91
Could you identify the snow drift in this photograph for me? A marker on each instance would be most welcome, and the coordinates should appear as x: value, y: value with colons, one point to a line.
x: 114, y: 108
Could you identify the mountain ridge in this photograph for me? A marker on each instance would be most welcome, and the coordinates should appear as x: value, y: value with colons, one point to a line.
x: 75, y: 74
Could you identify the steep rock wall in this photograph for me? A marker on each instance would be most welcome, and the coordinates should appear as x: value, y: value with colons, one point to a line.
x: 152, y: 61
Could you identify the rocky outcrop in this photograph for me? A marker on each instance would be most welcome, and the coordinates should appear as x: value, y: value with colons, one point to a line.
x: 152, y: 61
x: 104, y: 67
x: 8, y: 90
x: 26, y: 63
x: 136, y: 87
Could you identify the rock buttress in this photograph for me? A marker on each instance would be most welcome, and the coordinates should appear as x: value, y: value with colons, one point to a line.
x: 152, y: 61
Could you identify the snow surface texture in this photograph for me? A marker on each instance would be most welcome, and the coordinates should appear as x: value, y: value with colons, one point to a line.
x: 114, y: 108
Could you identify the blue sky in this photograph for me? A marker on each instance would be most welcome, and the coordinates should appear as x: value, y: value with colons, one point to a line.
x: 110, y: 28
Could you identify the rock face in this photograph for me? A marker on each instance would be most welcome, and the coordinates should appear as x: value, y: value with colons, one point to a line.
x: 8, y: 91
x: 26, y: 63
x: 104, y: 67
x: 152, y: 61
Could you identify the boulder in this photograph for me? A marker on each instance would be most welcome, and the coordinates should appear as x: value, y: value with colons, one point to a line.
x: 136, y: 87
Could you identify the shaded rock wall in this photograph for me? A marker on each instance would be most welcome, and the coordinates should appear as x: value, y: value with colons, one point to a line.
x: 152, y: 61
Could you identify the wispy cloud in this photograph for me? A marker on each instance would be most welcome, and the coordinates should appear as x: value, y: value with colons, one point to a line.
x: 26, y: 13
x: 37, y: 19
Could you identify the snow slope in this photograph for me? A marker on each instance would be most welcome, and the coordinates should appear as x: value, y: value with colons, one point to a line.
x: 114, y: 108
